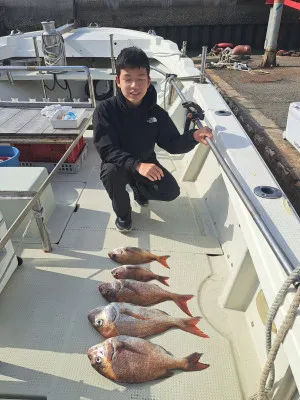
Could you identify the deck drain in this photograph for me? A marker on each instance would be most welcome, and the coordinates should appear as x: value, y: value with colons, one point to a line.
x: 268, y: 192
x: 223, y: 113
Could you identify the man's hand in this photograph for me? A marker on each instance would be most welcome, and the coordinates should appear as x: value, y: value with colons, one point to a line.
x: 150, y: 171
x: 202, y: 133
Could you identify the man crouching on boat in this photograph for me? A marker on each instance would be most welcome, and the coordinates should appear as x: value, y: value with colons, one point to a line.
x: 126, y: 129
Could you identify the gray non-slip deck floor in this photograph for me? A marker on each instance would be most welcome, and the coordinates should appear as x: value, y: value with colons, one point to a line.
x: 44, y: 330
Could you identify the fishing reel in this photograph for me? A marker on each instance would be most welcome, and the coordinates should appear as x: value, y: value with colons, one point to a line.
x: 194, y: 113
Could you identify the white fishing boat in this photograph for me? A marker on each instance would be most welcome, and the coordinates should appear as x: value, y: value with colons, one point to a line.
x: 232, y: 235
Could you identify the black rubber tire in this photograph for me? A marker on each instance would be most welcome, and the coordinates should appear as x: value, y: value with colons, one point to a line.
x: 103, y: 96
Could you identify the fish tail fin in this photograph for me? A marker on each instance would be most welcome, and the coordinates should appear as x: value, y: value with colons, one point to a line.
x: 162, y: 279
x: 162, y: 260
x: 192, y: 363
x: 189, y: 325
x: 181, y: 301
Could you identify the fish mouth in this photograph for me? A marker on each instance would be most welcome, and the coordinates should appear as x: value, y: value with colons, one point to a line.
x: 115, y: 273
x: 91, y: 352
x: 91, y: 318
x: 103, y: 288
x: 107, y: 291
x: 97, y: 352
x: 92, y: 314
x: 101, y: 285
x: 112, y: 256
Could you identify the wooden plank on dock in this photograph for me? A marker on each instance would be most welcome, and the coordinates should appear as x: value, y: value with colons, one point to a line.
x: 20, y: 119
x: 28, y: 139
x: 49, y: 129
x: 6, y: 114
x: 36, y: 126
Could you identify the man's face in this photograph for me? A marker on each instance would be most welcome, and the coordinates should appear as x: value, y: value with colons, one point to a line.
x: 134, y: 83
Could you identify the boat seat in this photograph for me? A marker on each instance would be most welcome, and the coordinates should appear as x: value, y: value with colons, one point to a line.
x: 22, y: 180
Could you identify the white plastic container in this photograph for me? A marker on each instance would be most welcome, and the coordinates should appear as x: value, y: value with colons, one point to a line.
x: 292, y: 132
x: 67, y: 124
x: 8, y: 259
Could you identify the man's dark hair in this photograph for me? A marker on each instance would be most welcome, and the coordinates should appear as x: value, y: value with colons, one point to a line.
x: 132, y: 57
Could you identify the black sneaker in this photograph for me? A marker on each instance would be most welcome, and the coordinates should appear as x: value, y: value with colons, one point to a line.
x: 140, y: 199
x: 124, y: 225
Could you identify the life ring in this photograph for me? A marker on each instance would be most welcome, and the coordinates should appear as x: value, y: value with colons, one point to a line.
x: 103, y: 96
x: 241, y: 50
x: 224, y: 45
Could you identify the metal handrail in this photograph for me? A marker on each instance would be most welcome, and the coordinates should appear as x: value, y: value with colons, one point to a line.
x: 58, y: 69
x: 278, y: 251
x: 113, y: 62
x: 203, y: 64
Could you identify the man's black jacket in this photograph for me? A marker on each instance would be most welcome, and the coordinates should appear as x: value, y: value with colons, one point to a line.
x: 126, y: 136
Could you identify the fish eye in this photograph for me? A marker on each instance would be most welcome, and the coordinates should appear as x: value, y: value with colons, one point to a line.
x: 99, y: 322
x: 98, y: 360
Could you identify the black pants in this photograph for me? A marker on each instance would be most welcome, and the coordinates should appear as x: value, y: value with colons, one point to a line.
x: 115, y: 180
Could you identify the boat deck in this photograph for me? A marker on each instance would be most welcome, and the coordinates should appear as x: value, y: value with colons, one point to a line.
x: 45, y: 333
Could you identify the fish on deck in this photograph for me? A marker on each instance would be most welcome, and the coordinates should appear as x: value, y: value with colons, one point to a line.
x: 141, y: 293
x: 138, y: 273
x: 134, y: 360
x: 134, y: 256
x: 127, y: 319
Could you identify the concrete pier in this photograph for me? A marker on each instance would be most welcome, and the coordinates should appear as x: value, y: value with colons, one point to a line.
x: 260, y: 100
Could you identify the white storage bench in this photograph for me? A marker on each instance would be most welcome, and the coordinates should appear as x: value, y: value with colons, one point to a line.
x: 24, y: 179
x: 8, y: 259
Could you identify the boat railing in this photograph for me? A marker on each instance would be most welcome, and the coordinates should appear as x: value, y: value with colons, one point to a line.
x: 275, y: 246
x: 267, y: 378
x: 53, y: 69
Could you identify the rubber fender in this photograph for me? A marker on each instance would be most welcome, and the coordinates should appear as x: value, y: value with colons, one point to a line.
x: 280, y: 52
x: 224, y: 45
x: 241, y: 50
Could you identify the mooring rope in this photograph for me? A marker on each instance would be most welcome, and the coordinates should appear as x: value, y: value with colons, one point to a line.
x: 272, y: 350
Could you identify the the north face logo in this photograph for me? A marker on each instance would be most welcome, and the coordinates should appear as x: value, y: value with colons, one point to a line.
x: 152, y: 120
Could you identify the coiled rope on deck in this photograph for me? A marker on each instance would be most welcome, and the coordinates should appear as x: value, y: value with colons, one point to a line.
x: 272, y: 350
